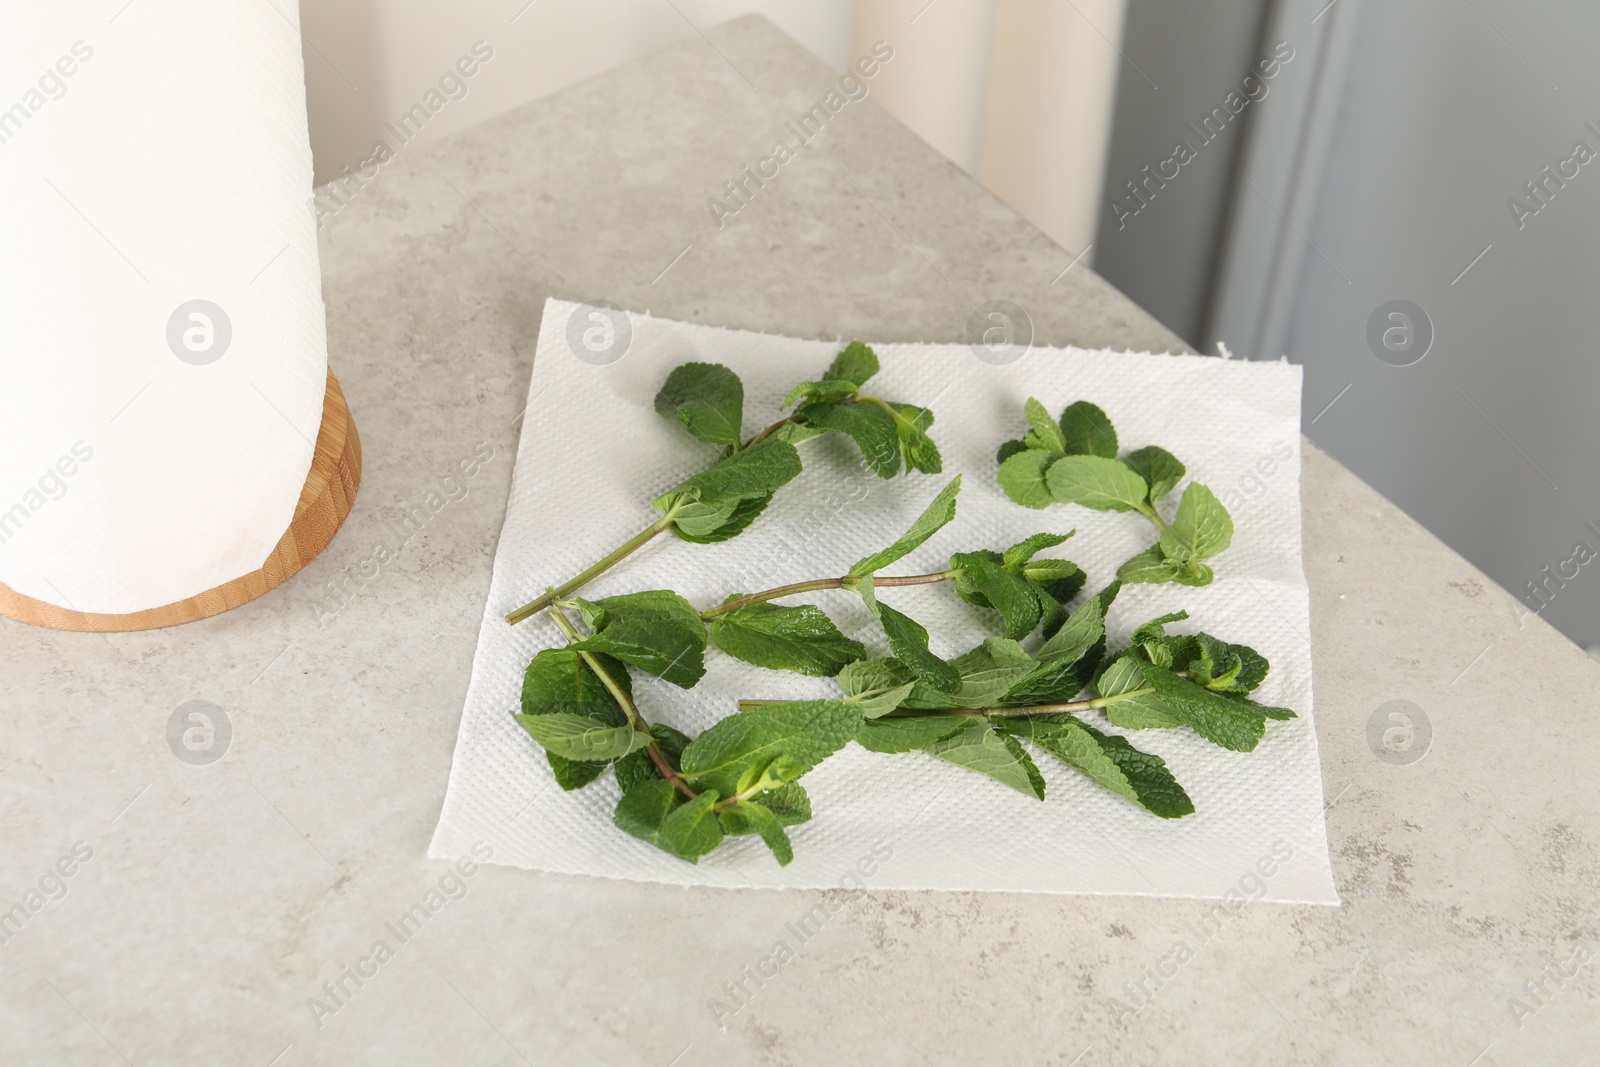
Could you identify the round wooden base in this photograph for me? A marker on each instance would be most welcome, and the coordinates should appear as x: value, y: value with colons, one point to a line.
x: 326, y: 499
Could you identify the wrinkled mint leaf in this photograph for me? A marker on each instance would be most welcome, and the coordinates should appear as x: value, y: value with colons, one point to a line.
x: 1096, y: 482
x: 657, y: 631
x: 707, y: 398
x: 1087, y: 431
x: 801, y: 639
x: 801, y: 732
x: 1160, y: 469
x: 1023, y: 477
x: 978, y: 747
x: 933, y: 518
x: 871, y: 427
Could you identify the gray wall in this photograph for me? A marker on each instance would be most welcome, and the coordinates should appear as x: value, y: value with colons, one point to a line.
x: 1445, y: 116
x: 1446, y: 110
x: 1182, y: 58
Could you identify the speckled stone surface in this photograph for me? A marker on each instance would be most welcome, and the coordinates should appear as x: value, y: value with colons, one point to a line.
x: 219, y: 898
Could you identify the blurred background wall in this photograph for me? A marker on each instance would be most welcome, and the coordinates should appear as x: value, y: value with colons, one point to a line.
x: 1336, y: 158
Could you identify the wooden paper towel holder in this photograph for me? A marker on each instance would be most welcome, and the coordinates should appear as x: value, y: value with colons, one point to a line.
x: 325, y: 500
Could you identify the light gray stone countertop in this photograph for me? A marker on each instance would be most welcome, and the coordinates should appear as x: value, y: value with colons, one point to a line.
x: 217, y: 899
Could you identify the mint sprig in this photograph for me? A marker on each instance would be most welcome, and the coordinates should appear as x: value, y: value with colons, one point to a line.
x: 722, y: 501
x: 1038, y: 687
x: 741, y: 776
x: 1007, y: 695
x: 738, y: 777
x: 1024, y: 590
x: 1073, y: 460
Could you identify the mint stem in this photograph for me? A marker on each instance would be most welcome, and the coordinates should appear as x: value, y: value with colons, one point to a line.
x: 572, y: 585
x: 620, y: 695
x: 847, y: 582
x: 769, y: 431
x: 1066, y: 707
x: 1153, y: 515
x: 1019, y: 712
x: 567, y: 588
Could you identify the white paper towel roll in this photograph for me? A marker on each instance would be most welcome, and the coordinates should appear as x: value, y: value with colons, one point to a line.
x: 164, y: 354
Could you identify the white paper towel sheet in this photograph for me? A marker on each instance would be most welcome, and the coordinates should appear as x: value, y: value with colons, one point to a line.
x: 153, y: 155
x: 594, y: 453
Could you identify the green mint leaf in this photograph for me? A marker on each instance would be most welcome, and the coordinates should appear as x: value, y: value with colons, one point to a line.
x: 801, y: 639
x: 987, y: 673
x: 574, y: 774
x: 908, y: 640
x: 916, y: 447
x: 1033, y: 441
x: 1216, y: 664
x: 794, y: 433
x: 1155, y: 631
x: 1023, y: 551
x: 702, y: 503
x: 877, y: 686
x: 1110, y: 761
x: 1035, y: 779
x: 932, y: 519
x: 578, y: 737
x: 1052, y: 683
x: 871, y: 676
x: 1194, y: 574
x: 788, y: 803
x: 1023, y: 477
x: 873, y: 705
x: 729, y: 523
x: 1145, y: 711
x: 657, y: 631
x: 1082, y: 631
x: 1066, y: 661
x: 752, y: 472
x: 1157, y: 790
x: 697, y: 520
x: 872, y: 428
x: 1107, y: 595
x: 638, y: 767
x: 558, y: 680
x: 691, y: 829
x: 654, y: 811
x: 1119, y: 674
x: 1053, y: 595
x: 1087, y: 431
x: 1266, y: 711
x: 1096, y: 482
x: 803, y: 732
x: 748, y: 817
x: 1158, y: 467
x: 1253, y: 669
x: 821, y: 393
x: 907, y: 733
x: 982, y: 580
x: 644, y: 807
x: 1202, y: 528
x: 1150, y: 567
x: 1008, y: 449
x: 708, y: 399
x: 978, y: 747
x: 1141, y: 713
x: 1211, y: 715
x: 856, y: 365
x: 758, y: 778
x: 1047, y: 435
x: 1050, y: 570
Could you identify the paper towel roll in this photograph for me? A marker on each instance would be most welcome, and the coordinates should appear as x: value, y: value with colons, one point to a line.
x: 164, y: 354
